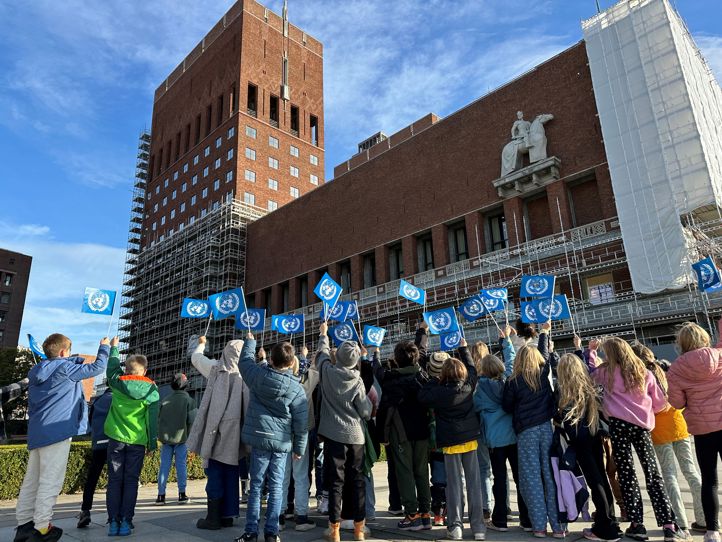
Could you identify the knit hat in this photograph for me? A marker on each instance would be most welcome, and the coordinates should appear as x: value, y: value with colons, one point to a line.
x: 180, y: 381
x: 436, y: 362
x: 348, y: 354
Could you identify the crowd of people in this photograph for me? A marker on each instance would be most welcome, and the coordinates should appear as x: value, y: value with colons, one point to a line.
x: 454, y: 426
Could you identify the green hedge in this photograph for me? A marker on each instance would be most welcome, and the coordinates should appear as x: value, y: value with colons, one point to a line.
x: 14, y: 459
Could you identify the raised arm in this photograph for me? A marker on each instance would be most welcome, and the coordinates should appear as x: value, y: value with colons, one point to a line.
x: 543, y: 343
x: 81, y: 371
x: 323, y: 354
x: 467, y: 360
x: 200, y: 361
x: 247, y: 365
x: 421, y: 340
x: 507, y: 350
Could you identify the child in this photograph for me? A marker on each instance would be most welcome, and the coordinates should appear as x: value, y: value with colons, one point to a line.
x: 457, y: 433
x: 631, y: 397
x: 671, y: 440
x: 695, y: 384
x: 478, y: 352
x: 343, y: 410
x: 579, y: 417
x: 177, y: 412
x: 498, y: 433
x: 216, y: 432
x: 276, y: 424
x: 57, y: 411
x: 528, y: 397
x: 99, y: 409
x: 131, y: 427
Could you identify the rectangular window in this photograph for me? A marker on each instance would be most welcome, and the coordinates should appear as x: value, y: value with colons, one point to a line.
x: 194, y: 180
x: 229, y: 154
x: 207, y: 151
x: 172, y: 214
x: 219, y: 142
x: 600, y: 289
x: 193, y: 200
x: 294, y: 120
x: 272, y: 142
x: 204, y: 212
x: 273, y: 184
x: 185, y: 167
x: 181, y: 226
x: 7, y: 279
x: 165, y: 183
x: 184, y: 187
x: 155, y: 226
x: 294, y: 192
x: 196, y: 159
x: 229, y: 176
x: 249, y: 198
x: 204, y: 194
x: 458, y: 248
x: 314, y: 130
x: 396, y: 261
x: 272, y: 163
x: 272, y: 205
x: 216, y: 205
x: 345, y: 275
x: 496, y: 229
x: 216, y: 184
x: 229, y: 197
x: 165, y: 201
x: 294, y: 151
x: 250, y: 153
x: 3, y: 315
x: 369, y: 269
x: 162, y: 220
x: 250, y: 176
x: 313, y: 159
x: 157, y: 190
x: 314, y: 179
x: 155, y: 208
x: 191, y: 220
x: 183, y: 207
x: 273, y: 111
x: 206, y: 170
x: 250, y: 132
x: 174, y: 194
x: 252, y: 100
x: 425, y: 252
x: 217, y: 163
x: 175, y: 175
x: 231, y: 132
x: 294, y: 171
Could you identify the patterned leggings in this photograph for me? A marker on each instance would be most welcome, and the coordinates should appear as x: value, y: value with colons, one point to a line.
x: 624, y: 436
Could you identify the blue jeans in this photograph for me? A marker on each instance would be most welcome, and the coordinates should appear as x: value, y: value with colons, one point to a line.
x: 125, y: 462
x: 536, y: 479
x: 482, y: 453
x: 222, y: 484
x: 274, y: 464
x: 370, y: 498
x: 167, y: 453
x: 301, y: 483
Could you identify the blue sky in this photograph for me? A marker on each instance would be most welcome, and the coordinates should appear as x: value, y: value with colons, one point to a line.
x: 77, y: 80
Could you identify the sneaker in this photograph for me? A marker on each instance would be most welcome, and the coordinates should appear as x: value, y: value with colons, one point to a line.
x: 183, y: 498
x: 130, y: 524
x: 479, y: 536
x: 23, y: 532
x: 304, y: 524
x: 411, y: 523
x: 83, y: 519
x: 124, y: 529
x: 589, y: 535
x: 247, y: 537
x: 698, y: 527
x: 281, y: 522
x: 113, y: 527
x: 455, y: 533
x: 425, y: 522
x: 395, y: 512
x: 160, y: 500
x: 494, y: 527
x: 540, y: 534
x: 271, y: 538
x: 53, y: 535
x: 675, y: 535
x: 439, y: 521
x: 525, y: 528
x: 560, y: 534
x: 636, y: 531
x: 712, y: 536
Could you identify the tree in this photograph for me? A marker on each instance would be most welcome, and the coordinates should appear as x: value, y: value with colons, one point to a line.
x: 15, y: 364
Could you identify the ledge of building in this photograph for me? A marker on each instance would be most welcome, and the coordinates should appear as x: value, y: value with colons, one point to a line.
x: 528, y: 179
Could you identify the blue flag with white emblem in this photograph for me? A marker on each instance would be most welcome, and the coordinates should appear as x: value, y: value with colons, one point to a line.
x: 442, y: 321
x: 494, y: 299
x: 473, y: 308
x: 228, y: 303
x: 412, y: 293
x: 452, y: 340
x: 343, y: 332
x: 341, y: 312
x: 529, y: 313
x: 537, y: 286
x: 97, y: 301
x: 195, y: 308
x: 328, y: 291
x: 36, y: 348
x: 556, y: 308
x: 373, y: 336
x: 287, y: 323
x: 253, y: 319
x: 708, y: 276
x: 351, y: 312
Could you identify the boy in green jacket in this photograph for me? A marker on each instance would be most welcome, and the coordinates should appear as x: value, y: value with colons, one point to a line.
x: 131, y: 427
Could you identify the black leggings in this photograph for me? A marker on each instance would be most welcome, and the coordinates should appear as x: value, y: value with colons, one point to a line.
x: 97, y: 464
x: 708, y: 447
x: 590, y: 457
x: 499, y: 458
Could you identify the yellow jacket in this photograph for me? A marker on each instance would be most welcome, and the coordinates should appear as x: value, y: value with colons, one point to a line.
x: 669, y: 426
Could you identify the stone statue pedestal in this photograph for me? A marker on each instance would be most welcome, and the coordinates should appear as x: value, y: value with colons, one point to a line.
x: 529, y: 178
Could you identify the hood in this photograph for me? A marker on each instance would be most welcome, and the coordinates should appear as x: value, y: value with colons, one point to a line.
x: 404, y: 371
x: 494, y: 389
x: 41, y: 372
x: 230, y: 356
x: 700, y: 364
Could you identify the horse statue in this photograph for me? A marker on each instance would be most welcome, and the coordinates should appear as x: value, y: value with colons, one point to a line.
x: 527, y: 138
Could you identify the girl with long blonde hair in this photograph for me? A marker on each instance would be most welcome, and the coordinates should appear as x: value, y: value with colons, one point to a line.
x: 529, y: 398
x: 632, y: 396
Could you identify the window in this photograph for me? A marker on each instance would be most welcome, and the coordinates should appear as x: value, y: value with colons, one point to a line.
x: 294, y: 192
x: 369, y: 269
x: 425, y: 252
x: 162, y: 237
x: 196, y: 158
x: 185, y: 167
x: 272, y: 142
x: 458, y: 249
x: 273, y: 184
x: 184, y: 187
x: 216, y: 184
x: 294, y: 120
x: 250, y: 153
x: 191, y: 220
x: 272, y: 162
x: 294, y: 151
x: 313, y: 159
x: 204, y: 194
x: 204, y: 212
x: 229, y: 154
x: 231, y: 132
x: 252, y: 100
x: 181, y: 226
x: 396, y: 261
x: 250, y: 176
x: 157, y: 190
x: 600, y: 289
x: 314, y: 130
x: 162, y: 220
x: 165, y: 201
x: 272, y: 205
x: 183, y: 207
x: 345, y: 275
x: 174, y: 194
x: 193, y: 200
x: 217, y: 163
x: 3, y: 314
x: 229, y: 176
x: 294, y: 171
x: 155, y: 208
x: 194, y: 180
x: 219, y: 142
x: 7, y: 279
x: 249, y: 198
x: 250, y: 132
x: 496, y: 232
x: 205, y: 172
x: 216, y: 205
x: 207, y: 151
x: 175, y: 175
x: 155, y: 226
x: 314, y: 179
x: 165, y: 183
x: 273, y: 110
x: 229, y: 197
x: 172, y: 214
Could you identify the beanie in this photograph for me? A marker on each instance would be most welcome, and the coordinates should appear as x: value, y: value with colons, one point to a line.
x: 436, y: 362
x: 179, y: 382
x: 348, y: 354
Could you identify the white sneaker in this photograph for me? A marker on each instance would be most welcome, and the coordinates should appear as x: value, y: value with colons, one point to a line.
x: 455, y: 534
x: 479, y: 536
x: 712, y: 536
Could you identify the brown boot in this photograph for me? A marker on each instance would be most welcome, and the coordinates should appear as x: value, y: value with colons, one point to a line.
x: 358, y: 530
x: 333, y: 534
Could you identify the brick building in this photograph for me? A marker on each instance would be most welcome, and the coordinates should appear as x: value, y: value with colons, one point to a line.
x: 14, y: 276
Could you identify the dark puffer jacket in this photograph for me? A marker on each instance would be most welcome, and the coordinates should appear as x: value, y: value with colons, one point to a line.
x: 453, y: 404
x: 530, y: 408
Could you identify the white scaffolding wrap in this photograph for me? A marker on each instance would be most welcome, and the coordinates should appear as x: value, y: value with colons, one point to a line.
x: 660, y: 110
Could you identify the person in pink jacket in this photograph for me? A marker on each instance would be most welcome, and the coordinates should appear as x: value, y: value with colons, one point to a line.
x: 695, y: 384
x: 631, y: 399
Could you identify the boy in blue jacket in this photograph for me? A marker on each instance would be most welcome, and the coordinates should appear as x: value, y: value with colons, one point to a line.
x: 57, y: 411
x: 276, y: 424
